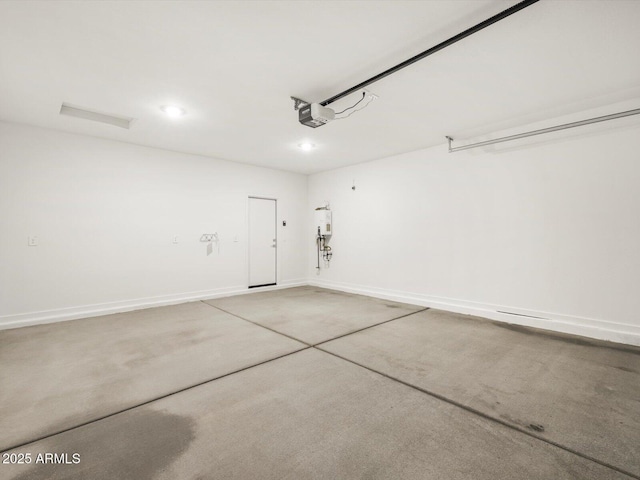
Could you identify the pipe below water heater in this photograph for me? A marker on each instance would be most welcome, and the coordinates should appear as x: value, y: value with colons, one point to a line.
x: 318, y: 240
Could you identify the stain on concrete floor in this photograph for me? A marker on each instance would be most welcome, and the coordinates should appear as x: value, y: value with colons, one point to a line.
x: 152, y: 441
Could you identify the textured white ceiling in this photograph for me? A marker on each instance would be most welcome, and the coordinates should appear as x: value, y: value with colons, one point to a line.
x: 234, y: 65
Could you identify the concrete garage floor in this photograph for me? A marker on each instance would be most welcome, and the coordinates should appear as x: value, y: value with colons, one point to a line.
x: 312, y: 315
x: 413, y: 393
x: 57, y: 376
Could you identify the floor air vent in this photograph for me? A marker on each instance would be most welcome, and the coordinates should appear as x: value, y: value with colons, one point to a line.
x: 521, y: 315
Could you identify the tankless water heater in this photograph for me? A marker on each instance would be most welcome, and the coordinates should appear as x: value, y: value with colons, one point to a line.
x: 323, y: 222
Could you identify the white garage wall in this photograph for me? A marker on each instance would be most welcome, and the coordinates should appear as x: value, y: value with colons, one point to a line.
x: 105, y: 214
x: 548, y: 228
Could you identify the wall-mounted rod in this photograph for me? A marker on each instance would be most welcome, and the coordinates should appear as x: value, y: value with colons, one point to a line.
x: 476, y: 28
x: 564, y: 126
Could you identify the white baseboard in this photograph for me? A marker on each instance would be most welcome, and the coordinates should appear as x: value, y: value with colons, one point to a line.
x: 86, y: 311
x: 587, y: 327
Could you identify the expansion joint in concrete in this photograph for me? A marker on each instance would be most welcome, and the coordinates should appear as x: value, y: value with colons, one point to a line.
x: 485, y: 416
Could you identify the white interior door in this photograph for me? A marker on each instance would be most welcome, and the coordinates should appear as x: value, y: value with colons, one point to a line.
x: 262, y: 242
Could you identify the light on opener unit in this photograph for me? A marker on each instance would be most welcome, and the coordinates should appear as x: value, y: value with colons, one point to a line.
x: 173, y: 111
x: 306, y: 147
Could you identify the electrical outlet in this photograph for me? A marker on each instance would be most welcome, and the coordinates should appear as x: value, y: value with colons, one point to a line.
x: 32, y: 241
x: 175, y: 239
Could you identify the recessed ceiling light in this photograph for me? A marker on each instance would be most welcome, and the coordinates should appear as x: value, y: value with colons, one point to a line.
x: 173, y: 111
x: 306, y: 146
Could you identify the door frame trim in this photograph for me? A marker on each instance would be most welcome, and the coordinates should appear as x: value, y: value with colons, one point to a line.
x: 261, y: 197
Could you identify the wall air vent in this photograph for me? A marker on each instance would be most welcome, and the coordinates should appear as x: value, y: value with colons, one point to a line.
x: 79, y: 112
